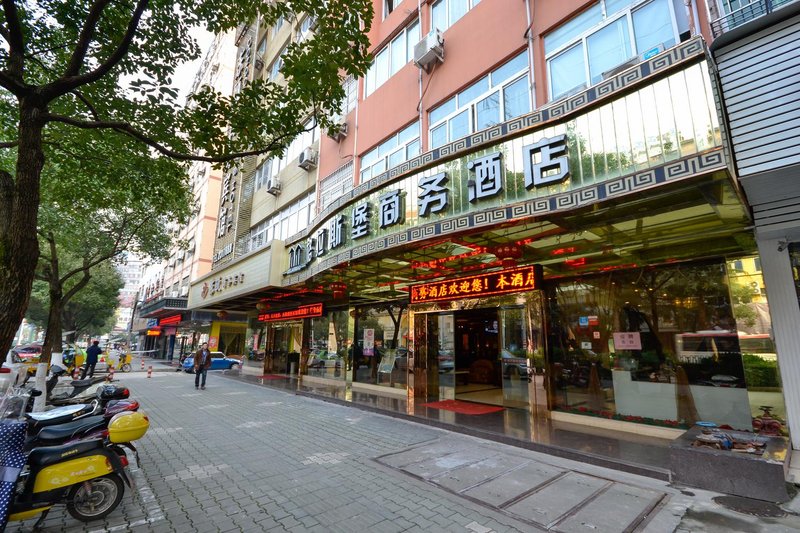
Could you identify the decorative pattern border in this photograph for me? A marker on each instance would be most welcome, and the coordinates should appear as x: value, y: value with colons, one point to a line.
x: 681, y: 169
x: 560, y: 110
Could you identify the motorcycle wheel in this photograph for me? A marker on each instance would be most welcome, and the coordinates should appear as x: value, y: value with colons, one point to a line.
x: 101, y: 498
x: 126, y: 367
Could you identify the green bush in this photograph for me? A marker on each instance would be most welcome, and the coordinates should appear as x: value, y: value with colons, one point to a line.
x: 760, y: 373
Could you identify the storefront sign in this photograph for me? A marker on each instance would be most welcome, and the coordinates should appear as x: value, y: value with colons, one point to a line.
x: 503, y: 282
x: 170, y: 320
x: 546, y: 162
x: 217, y: 285
x: 223, y: 252
x: 624, y: 340
x: 153, y: 332
x: 306, y: 311
x: 369, y: 342
x: 152, y: 322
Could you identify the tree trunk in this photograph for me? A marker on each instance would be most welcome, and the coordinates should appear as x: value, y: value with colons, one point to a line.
x: 19, y: 245
x: 52, y: 338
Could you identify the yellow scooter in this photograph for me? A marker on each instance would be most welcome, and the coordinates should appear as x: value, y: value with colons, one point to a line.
x: 88, y: 476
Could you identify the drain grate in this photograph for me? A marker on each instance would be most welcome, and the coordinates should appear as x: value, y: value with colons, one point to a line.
x: 751, y: 507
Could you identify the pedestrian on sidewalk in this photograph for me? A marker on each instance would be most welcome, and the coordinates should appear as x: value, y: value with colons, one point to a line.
x: 92, y: 354
x: 202, y: 362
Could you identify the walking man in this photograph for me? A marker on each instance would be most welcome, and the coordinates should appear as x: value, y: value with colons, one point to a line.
x: 202, y: 362
x: 91, y: 359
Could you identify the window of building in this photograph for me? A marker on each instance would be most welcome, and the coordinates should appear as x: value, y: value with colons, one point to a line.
x: 277, y: 26
x: 398, y: 148
x: 388, y: 6
x: 337, y: 184
x: 392, y: 58
x: 498, y: 96
x: 605, y: 35
x: 293, y: 218
x: 262, y: 46
x: 271, y: 167
x: 445, y: 13
x: 277, y: 65
x: 350, y: 86
x: 305, y: 28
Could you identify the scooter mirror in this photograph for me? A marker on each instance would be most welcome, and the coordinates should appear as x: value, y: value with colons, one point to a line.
x: 36, y: 392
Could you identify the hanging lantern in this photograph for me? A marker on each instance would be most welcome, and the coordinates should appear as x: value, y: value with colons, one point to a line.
x: 222, y: 315
x: 261, y: 305
x: 508, y: 254
x: 339, y: 289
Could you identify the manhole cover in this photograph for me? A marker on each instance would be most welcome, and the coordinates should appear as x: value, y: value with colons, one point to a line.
x: 751, y: 507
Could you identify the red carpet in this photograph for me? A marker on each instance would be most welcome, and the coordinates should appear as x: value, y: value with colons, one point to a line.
x: 464, y: 408
x: 271, y: 376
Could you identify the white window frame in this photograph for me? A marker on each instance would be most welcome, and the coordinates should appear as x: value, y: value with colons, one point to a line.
x: 290, y: 220
x: 371, y: 79
x: 350, y: 86
x: 381, y: 163
x: 583, y: 37
x: 460, y: 107
x: 263, y: 173
x: 448, y: 23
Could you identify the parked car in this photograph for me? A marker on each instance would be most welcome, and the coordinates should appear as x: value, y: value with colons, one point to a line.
x: 514, y: 366
x: 12, y: 372
x: 219, y: 361
x: 325, y: 360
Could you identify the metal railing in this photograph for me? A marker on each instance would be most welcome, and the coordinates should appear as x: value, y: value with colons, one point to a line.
x: 743, y: 15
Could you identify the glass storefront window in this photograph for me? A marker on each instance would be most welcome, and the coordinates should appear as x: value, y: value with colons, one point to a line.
x: 329, y: 345
x: 380, y: 347
x: 657, y: 345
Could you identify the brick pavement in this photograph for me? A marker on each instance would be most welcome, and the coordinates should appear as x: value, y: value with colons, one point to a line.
x: 240, y: 457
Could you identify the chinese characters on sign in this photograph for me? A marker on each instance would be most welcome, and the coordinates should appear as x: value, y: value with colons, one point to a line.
x: 506, y: 281
x: 306, y: 311
x: 227, y: 202
x: 488, y: 177
x: 433, y: 194
x: 392, y: 209
x: 546, y: 162
x: 220, y: 284
x: 624, y: 340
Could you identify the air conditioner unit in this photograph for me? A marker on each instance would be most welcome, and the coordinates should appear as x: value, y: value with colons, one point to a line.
x: 185, y: 290
x: 308, y: 159
x: 274, y: 186
x: 180, y: 254
x: 259, y: 65
x: 173, y: 294
x: 340, y: 131
x: 429, y: 50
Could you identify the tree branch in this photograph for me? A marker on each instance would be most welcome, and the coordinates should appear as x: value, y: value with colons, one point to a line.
x: 16, y: 41
x: 87, y: 103
x: 85, y: 38
x: 73, y: 81
x: 127, y: 129
x: 75, y: 288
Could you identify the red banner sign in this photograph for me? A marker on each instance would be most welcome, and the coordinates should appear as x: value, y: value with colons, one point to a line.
x: 527, y: 278
x: 306, y: 311
x: 169, y: 320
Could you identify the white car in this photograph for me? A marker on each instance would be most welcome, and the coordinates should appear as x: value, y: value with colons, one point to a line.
x: 12, y: 372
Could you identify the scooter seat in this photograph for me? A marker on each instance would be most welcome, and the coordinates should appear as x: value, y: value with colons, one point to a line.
x: 81, y: 382
x: 62, y: 432
x: 55, y: 454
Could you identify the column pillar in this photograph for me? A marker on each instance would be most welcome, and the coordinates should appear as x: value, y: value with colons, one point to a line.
x: 785, y: 312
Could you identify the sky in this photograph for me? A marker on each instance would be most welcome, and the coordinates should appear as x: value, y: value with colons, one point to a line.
x: 184, y: 74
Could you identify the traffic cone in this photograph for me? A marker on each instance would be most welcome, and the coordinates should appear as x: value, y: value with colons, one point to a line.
x: 110, y: 376
x: 142, y: 364
x: 150, y: 371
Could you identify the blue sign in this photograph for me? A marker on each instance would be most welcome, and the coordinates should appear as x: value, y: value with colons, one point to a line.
x: 652, y: 52
x: 583, y: 321
x: 151, y: 322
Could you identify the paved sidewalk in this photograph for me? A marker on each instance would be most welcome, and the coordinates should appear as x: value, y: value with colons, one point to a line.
x: 242, y: 457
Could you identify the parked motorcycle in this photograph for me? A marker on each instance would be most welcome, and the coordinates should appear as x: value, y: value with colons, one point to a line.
x: 88, y: 476
x: 95, y: 426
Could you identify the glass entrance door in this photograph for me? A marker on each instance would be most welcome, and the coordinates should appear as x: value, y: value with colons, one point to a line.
x: 283, y: 346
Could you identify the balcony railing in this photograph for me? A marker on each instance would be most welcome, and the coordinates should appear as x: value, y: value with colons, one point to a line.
x: 743, y: 15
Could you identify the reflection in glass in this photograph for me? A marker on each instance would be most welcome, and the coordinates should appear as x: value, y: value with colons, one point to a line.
x: 654, y: 345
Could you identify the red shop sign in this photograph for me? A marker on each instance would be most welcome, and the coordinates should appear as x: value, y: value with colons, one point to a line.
x: 306, y: 311
x: 527, y: 278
